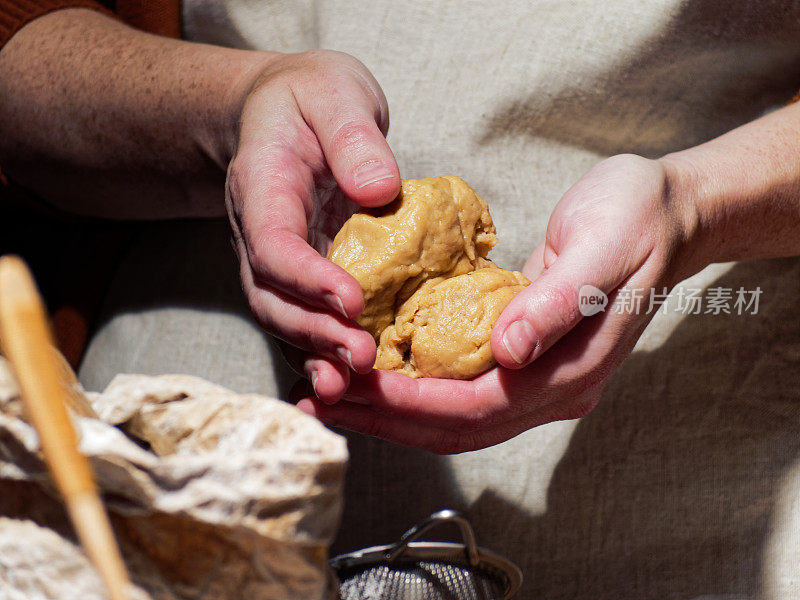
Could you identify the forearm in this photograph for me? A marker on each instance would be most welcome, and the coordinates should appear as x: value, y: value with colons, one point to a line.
x: 742, y: 191
x: 105, y: 120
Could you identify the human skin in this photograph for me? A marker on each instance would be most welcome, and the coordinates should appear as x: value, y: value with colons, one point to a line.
x: 630, y: 221
x: 104, y: 120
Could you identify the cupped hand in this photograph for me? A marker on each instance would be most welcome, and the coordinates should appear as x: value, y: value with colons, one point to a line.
x: 311, y: 148
x: 617, y: 228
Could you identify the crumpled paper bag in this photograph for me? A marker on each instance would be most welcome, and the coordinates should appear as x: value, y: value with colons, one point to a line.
x: 212, y: 495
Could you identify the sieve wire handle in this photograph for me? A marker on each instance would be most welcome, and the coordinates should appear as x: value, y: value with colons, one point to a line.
x: 438, y: 518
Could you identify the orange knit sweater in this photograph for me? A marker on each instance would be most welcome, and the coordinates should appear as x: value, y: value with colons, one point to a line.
x: 73, y: 300
x: 162, y: 17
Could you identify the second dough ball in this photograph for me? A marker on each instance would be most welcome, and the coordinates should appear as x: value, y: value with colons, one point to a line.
x: 444, y: 329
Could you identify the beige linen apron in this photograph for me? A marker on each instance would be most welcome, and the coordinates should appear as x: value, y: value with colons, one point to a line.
x: 685, y: 481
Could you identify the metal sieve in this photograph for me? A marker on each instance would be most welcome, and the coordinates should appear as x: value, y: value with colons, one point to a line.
x: 411, y: 570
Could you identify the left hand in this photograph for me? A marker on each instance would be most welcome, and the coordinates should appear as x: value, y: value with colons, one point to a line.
x: 618, y: 226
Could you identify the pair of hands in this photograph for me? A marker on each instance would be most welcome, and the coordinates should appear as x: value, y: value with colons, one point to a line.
x: 311, y: 150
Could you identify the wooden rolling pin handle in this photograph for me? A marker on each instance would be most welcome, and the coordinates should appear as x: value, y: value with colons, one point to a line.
x: 28, y: 344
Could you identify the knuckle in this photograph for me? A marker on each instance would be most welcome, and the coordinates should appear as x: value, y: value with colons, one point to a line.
x: 350, y: 133
x: 261, y: 314
x: 305, y: 337
x: 305, y: 266
x: 567, y: 306
x: 265, y: 250
x: 258, y: 255
x: 312, y: 334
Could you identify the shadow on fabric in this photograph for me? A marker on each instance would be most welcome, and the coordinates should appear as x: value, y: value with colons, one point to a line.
x: 666, y: 491
x: 175, y: 305
x: 643, y: 104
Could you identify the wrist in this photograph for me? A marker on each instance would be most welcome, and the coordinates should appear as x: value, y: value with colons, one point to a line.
x: 680, y: 185
x: 218, y: 136
x: 740, y: 192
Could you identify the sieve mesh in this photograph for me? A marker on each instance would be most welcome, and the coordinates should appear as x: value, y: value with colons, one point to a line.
x: 410, y: 570
x: 423, y: 580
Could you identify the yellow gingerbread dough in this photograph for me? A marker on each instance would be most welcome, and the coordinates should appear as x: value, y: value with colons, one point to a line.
x: 431, y: 295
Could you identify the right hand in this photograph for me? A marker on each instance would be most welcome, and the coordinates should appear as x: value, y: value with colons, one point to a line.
x: 310, y: 150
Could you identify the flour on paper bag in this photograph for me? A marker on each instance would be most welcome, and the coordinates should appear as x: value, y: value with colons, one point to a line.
x: 212, y: 494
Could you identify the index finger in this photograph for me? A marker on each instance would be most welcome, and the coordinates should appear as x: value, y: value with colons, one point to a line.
x: 271, y: 191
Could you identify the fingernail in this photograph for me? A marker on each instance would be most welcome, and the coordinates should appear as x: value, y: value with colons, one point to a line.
x: 520, y: 340
x: 345, y: 355
x: 336, y: 303
x: 314, y: 377
x: 370, y: 172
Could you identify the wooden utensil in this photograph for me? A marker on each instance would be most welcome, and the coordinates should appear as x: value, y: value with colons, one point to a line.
x: 28, y: 344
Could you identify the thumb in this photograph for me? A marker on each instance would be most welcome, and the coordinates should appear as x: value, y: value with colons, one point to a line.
x: 555, y: 301
x: 347, y: 127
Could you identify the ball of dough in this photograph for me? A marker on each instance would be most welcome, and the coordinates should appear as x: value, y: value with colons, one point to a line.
x: 444, y: 329
x: 431, y: 295
x: 435, y: 227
